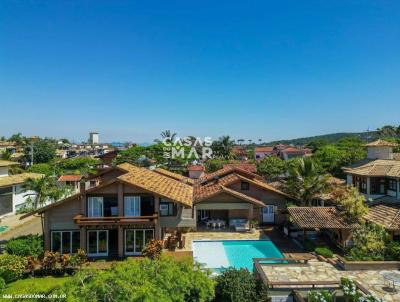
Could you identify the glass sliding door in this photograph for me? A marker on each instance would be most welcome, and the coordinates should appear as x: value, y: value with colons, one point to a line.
x: 65, y: 242
x: 132, y: 206
x: 97, y: 243
x: 95, y: 207
x: 136, y: 240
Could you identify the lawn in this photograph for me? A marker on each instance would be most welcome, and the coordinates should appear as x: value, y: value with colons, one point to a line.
x: 34, y: 285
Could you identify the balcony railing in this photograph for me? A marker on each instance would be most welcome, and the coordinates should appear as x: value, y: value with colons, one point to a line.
x: 84, y: 220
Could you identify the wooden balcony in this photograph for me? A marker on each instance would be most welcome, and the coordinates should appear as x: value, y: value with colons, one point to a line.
x: 113, y: 220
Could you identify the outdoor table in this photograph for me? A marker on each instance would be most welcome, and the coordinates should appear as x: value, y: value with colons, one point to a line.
x: 393, y: 277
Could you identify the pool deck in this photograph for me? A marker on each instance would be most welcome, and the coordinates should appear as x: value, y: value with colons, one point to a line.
x: 322, y: 271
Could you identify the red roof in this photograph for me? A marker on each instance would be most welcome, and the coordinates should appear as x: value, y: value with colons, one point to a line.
x: 263, y: 149
x: 195, y: 168
x: 71, y: 177
x: 293, y: 150
x: 245, y: 166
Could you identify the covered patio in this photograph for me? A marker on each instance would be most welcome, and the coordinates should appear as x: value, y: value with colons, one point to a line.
x: 323, y: 223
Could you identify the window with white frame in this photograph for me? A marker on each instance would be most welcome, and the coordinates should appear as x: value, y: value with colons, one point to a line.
x: 132, y: 206
x: 65, y: 242
x: 97, y: 242
x: 136, y: 240
x: 95, y: 206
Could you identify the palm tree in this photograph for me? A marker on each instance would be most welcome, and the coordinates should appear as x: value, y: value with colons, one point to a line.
x: 259, y: 141
x: 223, y: 147
x: 45, y: 189
x: 305, y: 181
x: 168, y: 135
x: 240, y: 141
x: 250, y: 140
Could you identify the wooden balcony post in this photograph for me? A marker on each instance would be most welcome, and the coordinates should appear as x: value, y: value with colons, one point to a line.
x: 120, y: 199
x: 157, y: 227
x: 83, y: 198
x: 47, y: 233
x: 83, y: 239
x: 120, y: 242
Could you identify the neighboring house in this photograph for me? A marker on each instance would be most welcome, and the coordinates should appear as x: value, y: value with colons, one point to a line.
x: 107, y: 158
x: 12, y: 195
x: 379, y: 174
x: 71, y: 180
x: 293, y: 152
x: 242, y: 165
x: 240, y: 152
x: 132, y: 205
x: 8, y: 146
x: 261, y: 152
x: 196, y: 171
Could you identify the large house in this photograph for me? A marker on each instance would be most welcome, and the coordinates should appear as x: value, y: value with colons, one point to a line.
x: 378, y: 175
x: 12, y: 194
x: 130, y: 205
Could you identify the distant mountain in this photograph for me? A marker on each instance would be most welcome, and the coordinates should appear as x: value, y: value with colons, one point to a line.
x: 330, y: 138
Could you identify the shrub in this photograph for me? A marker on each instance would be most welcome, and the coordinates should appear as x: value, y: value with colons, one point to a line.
x: 393, y: 251
x: 2, y: 284
x: 164, y: 280
x: 12, y: 267
x: 324, y: 251
x: 78, y: 259
x: 239, y: 286
x: 320, y: 296
x: 349, y: 289
x: 153, y: 249
x: 369, y: 243
x: 30, y: 245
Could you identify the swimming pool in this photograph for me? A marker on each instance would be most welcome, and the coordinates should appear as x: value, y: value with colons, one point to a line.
x: 219, y: 254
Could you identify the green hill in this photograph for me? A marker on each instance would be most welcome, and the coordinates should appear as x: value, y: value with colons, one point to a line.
x: 330, y: 138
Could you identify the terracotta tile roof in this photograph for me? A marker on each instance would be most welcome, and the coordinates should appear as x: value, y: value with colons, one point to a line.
x: 70, y: 177
x: 7, y: 144
x: 195, y: 168
x: 385, y: 214
x: 157, y: 183
x: 379, y: 167
x: 381, y: 143
x: 7, y: 163
x: 293, y: 150
x: 244, y: 166
x: 396, y: 156
x: 263, y: 149
x: 243, y: 196
x: 175, y: 176
x: 7, y: 181
x: 227, y: 170
x: 318, y: 218
x: 206, y: 190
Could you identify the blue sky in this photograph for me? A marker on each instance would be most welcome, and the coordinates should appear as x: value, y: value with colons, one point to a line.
x: 250, y: 69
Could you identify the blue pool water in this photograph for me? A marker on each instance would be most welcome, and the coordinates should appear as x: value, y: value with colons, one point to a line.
x: 217, y: 255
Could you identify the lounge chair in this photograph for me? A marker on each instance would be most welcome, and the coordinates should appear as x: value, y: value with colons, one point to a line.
x: 239, y: 224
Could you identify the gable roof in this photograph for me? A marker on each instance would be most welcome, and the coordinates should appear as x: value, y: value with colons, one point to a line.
x: 173, y: 175
x: 70, y: 177
x: 244, y: 166
x: 159, y: 184
x: 381, y: 143
x: 264, y: 149
x: 319, y: 218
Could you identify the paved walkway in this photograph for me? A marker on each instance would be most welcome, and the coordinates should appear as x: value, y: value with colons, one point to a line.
x: 322, y: 271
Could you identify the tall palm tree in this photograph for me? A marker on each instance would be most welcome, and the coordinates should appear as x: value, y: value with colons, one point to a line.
x: 167, y: 134
x: 240, y: 141
x: 305, y: 181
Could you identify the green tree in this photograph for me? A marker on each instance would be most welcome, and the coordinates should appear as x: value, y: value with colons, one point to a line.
x: 163, y: 280
x: 5, y: 155
x: 18, y: 138
x: 271, y: 167
x: 45, y: 189
x: 389, y: 131
x: 331, y: 159
x: 223, y: 147
x: 44, y: 150
x: 239, y: 286
x: 46, y: 169
x: 369, y: 243
x: 352, y: 201
x: 79, y: 165
x: 306, y: 181
x: 215, y: 164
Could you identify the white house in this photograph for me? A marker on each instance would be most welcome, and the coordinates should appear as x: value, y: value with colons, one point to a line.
x: 70, y: 180
x: 12, y: 194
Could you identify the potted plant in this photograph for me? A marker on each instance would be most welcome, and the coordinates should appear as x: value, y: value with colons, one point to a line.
x: 253, y: 225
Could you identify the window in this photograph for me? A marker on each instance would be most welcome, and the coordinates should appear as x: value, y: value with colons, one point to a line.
x: 97, y: 243
x: 95, y: 207
x: 65, y: 242
x: 377, y: 185
x: 132, y: 206
x: 244, y: 186
x: 167, y: 208
x: 392, y: 184
x: 136, y: 240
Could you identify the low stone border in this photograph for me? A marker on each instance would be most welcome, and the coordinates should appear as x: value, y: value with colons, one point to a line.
x: 367, y: 265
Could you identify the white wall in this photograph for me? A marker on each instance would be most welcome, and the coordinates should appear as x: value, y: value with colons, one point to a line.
x: 3, y: 171
x: 19, y: 197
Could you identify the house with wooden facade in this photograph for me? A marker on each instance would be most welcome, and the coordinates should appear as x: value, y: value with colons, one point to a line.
x: 128, y: 206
